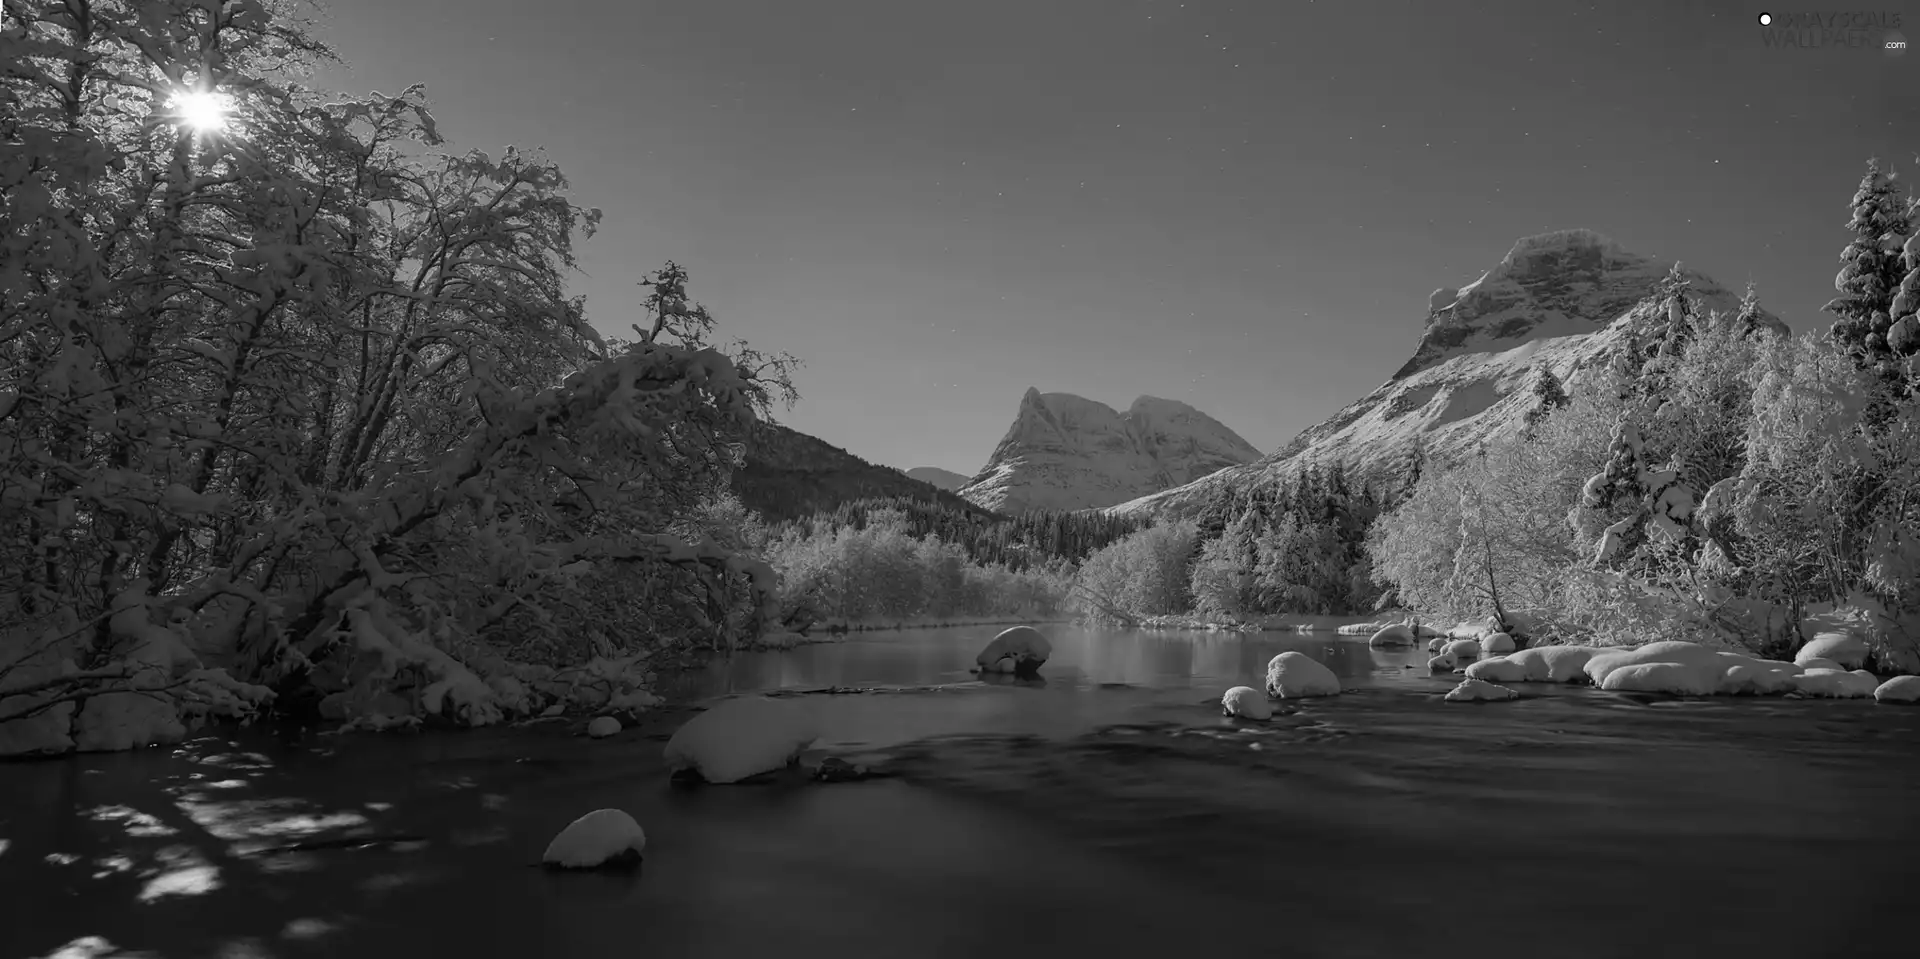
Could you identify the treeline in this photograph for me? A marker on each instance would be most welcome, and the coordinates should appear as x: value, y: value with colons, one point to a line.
x: 1288, y: 544
x: 1017, y: 542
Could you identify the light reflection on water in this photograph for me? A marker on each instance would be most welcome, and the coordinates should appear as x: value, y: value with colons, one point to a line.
x: 1111, y: 800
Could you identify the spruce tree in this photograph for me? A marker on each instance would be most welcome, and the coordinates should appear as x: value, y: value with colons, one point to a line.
x: 1903, y: 337
x: 1548, y: 393
x: 1871, y: 268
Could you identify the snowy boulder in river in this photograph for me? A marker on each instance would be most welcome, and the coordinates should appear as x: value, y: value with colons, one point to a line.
x: 1899, y: 689
x: 1680, y: 679
x: 603, y: 726
x: 1247, y: 702
x: 1846, y: 649
x: 1554, y: 664
x: 1478, y: 691
x: 601, y: 838
x: 1443, y: 663
x: 1462, y: 650
x: 1494, y: 644
x: 1293, y: 675
x: 1693, y: 666
x: 1018, y: 650
x: 742, y: 737
x: 1436, y: 644
x: 1498, y: 669
x: 1399, y: 634
x: 1834, y: 684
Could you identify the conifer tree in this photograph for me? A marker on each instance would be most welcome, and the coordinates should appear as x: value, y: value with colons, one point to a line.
x: 1871, y: 268
x: 1548, y: 393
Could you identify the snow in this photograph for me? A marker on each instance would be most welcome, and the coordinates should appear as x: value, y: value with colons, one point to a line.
x: 1479, y: 691
x: 742, y: 737
x: 1443, y: 663
x: 1835, y: 684
x: 1067, y: 452
x: 1843, y: 648
x: 1554, y: 664
x: 1021, y: 649
x: 1498, y: 669
x: 1293, y: 675
x: 1465, y: 650
x: 603, y: 837
x: 1496, y: 643
x: 1815, y: 662
x: 1899, y: 689
x: 1399, y: 634
x: 1247, y: 702
x: 1680, y: 679
x: 1436, y: 644
x: 603, y: 726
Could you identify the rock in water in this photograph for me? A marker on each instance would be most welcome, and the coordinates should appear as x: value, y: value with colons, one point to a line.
x: 600, y: 839
x: 742, y: 737
x: 1848, y: 650
x: 1246, y: 702
x: 1292, y: 675
x: 1479, y: 691
x: 1899, y: 689
x: 1494, y: 644
x: 603, y: 726
x: 1399, y: 634
x: 1022, y: 644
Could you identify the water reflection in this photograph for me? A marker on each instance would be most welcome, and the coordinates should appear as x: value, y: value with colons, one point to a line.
x: 1082, y: 658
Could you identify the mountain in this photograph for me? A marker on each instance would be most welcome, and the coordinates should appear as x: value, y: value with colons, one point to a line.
x: 1065, y: 452
x: 789, y: 474
x: 1560, y: 300
x: 935, y: 476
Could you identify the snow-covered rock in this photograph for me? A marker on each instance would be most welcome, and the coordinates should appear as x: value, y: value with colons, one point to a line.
x: 1462, y: 650
x: 1844, y: 648
x: 1436, y: 644
x: 1293, y: 675
x: 1066, y: 452
x: 603, y: 837
x: 1680, y: 679
x: 1757, y: 677
x: 1443, y: 663
x: 742, y: 737
x: 1493, y: 644
x: 1815, y: 662
x: 1899, y: 689
x: 1833, y: 683
x: 1021, y: 649
x: 1399, y: 634
x: 1690, y: 656
x: 1479, y: 691
x: 1558, y: 300
x: 603, y: 726
x: 1554, y: 664
x: 1498, y: 669
x: 1246, y: 702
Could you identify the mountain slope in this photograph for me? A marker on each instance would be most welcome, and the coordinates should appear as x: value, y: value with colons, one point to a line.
x: 935, y: 476
x: 1556, y: 300
x: 1066, y: 452
x: 789, y: 474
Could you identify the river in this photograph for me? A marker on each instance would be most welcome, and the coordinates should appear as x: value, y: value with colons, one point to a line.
x: 1108, y: 810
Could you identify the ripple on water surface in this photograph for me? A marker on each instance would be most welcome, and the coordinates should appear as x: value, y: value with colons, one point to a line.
x: 1110, y: 805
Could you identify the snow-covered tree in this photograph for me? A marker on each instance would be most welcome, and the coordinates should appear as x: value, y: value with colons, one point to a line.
x: 1871, y: 272
x: 1548, y: 395
x: 312, y: 390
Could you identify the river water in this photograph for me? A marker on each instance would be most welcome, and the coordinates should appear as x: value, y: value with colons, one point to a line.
x: 1108, y: 810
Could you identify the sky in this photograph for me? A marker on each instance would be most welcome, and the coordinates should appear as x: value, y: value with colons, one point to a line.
x: 936, y: 204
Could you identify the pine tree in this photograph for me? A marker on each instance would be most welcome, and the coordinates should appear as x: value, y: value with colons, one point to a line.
x: 1871, y: 268
x: 1548, y: 394
x: 1903, y: 336
x: 1747, y: 317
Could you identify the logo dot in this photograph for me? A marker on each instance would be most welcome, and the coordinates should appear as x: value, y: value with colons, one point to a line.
x: 1766, y: 18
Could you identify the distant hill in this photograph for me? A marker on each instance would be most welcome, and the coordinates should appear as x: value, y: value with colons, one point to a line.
x: 945, y: 479
x: 789, y: 475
